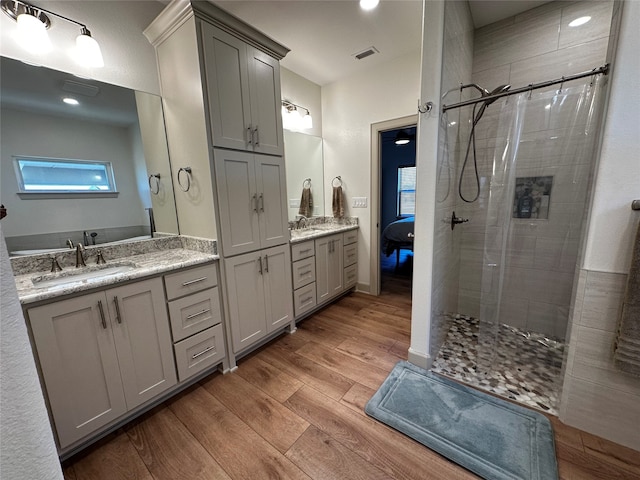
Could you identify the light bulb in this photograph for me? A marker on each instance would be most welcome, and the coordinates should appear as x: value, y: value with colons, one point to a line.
x: 579, y: 21
x: 307, y: 121
x: 368, y: 4
x: 32, y: 34
x: 88, y: 51
x: 70, y: 101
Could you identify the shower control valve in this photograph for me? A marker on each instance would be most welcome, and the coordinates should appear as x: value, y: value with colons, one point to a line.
x: 457, y: 220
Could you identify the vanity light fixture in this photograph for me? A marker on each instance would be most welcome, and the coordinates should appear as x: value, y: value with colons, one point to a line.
x: 369, y: 4
x: 293, y: 119
x: 579, y: 21
x: 33, y: 23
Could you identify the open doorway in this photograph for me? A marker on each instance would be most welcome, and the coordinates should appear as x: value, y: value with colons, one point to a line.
x: 393, y: 205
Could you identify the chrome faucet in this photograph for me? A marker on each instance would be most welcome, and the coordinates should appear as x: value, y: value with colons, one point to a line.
x: 69, y: 243
x: 80, y: 256
x: 302, y: 220
x: 100, y: 258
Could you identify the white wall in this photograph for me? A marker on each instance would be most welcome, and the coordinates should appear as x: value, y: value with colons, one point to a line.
x: 27, y: 449
x: 129, y: 58
x: 41, y: 135
x: 349, y: 107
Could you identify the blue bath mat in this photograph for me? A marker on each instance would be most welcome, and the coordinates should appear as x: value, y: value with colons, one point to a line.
x: 488, y: 436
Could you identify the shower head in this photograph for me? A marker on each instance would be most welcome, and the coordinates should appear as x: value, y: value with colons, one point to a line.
x: 495, y: 91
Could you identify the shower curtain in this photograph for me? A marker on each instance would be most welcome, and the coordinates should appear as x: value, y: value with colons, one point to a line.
x: 534, y: 204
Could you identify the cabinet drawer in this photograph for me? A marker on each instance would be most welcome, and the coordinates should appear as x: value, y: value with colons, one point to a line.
x: 350, y: 254
x: 304, y: 299
x: 190, y: 281
x: 200, y: 351
x: 350, y: 276
x: 350, y: 237
x: 304, y: 272
x: 302, y: 250
x: 194, y: 313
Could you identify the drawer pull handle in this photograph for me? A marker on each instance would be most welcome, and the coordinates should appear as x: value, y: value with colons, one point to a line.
x: 305, y: 251
x: 191, y: 282
x: 104, y: 322
x: 308, y: 299
x: 193, y: 315
x: 306, y: 272
x: 118, y: 316
x: 208, y: 349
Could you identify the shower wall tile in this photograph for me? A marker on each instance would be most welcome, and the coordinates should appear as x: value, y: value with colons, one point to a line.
x: 512, y: 42
x: 602, y: 304
x: 549, y: 8
x: 556, y: 254
x: 555, y: 64
x: 586, y: 397
x: 548, y: 319
x: 598, y: 27
x: 516, y: 311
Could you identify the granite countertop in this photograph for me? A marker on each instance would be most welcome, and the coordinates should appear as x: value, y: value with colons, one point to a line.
x: 319, y: 229
x: 144, y: 265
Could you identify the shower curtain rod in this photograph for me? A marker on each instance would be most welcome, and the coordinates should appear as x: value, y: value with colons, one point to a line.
x: 532, y: 86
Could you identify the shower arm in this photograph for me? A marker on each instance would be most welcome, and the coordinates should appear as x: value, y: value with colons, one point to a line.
x: 532, y: 86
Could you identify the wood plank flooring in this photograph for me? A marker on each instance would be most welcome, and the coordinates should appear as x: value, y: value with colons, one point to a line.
x: 295, y: 410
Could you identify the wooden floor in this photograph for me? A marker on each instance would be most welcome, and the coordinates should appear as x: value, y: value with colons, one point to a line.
x: 294, y: 409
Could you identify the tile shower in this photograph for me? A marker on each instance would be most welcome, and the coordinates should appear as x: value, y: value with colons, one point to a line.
x: 504, y: 284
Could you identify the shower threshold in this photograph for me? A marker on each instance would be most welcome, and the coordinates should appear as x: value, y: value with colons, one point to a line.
x: 509, y: 362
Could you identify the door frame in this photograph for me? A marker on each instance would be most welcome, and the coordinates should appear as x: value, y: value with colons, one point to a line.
x: 376, y: 166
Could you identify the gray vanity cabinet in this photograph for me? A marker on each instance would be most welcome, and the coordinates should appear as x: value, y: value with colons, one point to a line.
x: 100, y: 359
x: 243, y: 91
x: 259, y: 289
x: 252, y: 202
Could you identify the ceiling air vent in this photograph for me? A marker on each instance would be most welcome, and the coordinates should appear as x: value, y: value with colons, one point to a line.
x: 80, y: 88
x: 366, y: 53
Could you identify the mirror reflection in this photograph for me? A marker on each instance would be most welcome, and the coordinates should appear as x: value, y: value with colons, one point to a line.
x: 305, y: 169
x: 46, y: 114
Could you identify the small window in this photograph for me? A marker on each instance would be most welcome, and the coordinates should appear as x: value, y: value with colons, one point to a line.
x: 50, y: 175
x: 406, y: 191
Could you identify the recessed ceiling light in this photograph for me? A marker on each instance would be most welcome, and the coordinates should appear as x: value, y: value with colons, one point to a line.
x: 579, y: 21
x: 70, y: 101
x: 368, y: 4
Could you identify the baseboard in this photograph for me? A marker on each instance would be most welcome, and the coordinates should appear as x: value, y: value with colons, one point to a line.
x: 363, y: 288
x: 420, y: 359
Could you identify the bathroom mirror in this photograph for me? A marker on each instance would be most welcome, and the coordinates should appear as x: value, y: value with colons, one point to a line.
x: 108, y: 124
x: 303, y: 157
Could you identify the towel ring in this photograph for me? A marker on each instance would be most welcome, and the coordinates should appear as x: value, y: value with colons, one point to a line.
x: 333, y: 182
x: 187, y: 170
x: 156, y: 182
x: 306, y: 183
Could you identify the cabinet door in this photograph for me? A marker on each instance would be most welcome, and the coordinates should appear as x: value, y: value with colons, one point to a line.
x: 266, y: 105
x: 329, y: 269
x: 245, y: 289
x: 143, y: 340
x: 79, y: 365
x: 237, y: 201
x: 227, y: 85
x: 278, y: 287
x: 336, y: 266
x: 272, y: 200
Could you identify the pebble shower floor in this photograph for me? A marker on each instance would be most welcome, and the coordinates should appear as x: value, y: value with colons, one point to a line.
x: 524, y: 366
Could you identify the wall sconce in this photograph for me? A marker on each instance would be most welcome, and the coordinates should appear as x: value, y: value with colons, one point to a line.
x: 33, y: 23
x: 293, y: 119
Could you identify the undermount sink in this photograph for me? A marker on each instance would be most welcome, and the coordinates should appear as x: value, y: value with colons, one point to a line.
x: 81, y: 275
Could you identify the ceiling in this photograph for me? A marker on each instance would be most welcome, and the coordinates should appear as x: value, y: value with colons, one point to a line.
x: 324, y: 35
